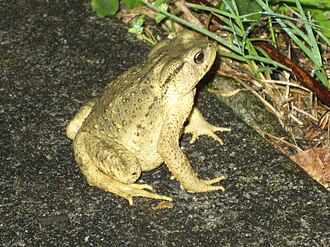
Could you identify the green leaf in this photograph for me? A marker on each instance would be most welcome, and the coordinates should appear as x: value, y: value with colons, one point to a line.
x: 160, y: 16
x: 105, y: 7
x: 194, y: 27
x: 310, y: 4
x: 137, y: 26
x: 323, y: 21
x: 323, y: 78
x: 131, y: 4
x: 159, y: 2
x: 248, y: 8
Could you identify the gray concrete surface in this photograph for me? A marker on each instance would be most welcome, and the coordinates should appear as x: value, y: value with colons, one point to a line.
x: 54, y: 56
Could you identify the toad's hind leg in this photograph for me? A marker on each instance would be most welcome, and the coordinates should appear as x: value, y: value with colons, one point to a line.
x: 112, y: 169
x: 75, y: 124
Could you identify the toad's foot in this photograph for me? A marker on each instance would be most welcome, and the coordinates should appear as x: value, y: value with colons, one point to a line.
x: 206, y: 185
x: 127, y: 191
x: 144, y: 190
x: 199, y: 126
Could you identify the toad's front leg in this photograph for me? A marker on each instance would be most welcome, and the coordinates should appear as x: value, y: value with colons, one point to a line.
x: 198, y: 126
x: 176, y: 161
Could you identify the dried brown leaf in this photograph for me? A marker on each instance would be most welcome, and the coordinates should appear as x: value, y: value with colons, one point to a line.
x: 316, y: 162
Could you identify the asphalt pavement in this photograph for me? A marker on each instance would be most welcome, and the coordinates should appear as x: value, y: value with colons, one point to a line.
x: 57, y: 54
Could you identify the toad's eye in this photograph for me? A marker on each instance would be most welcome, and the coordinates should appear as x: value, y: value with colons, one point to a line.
x: 199, y: 57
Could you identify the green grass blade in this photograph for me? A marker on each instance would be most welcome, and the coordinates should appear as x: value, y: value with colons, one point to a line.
x: 194, y: 27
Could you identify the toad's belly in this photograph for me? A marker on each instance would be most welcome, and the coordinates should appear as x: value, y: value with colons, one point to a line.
x: 146, y: 152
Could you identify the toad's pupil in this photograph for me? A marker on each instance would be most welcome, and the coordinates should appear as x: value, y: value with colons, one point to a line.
x: 199, y: 57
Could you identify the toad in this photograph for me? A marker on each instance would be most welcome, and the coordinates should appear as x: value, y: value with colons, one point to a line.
x: 136, y: 123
